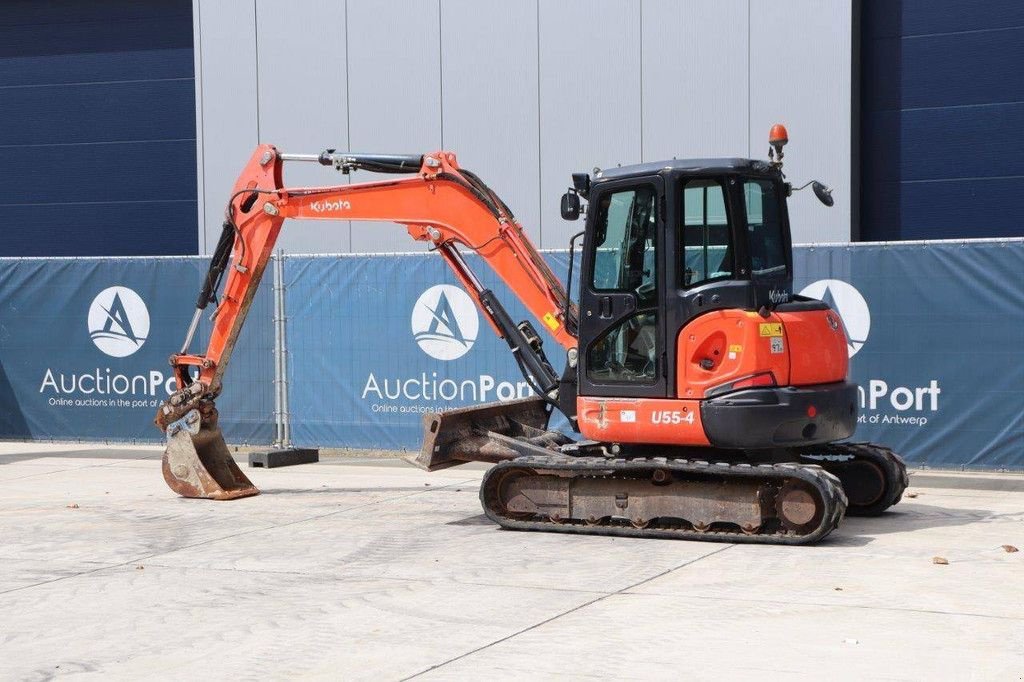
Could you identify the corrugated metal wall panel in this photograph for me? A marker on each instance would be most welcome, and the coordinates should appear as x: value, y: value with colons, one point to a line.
x: 589, y: 97
x: 101, y: 173
x: 952, y: 16
x: 958, y: 69
x: 958, y: 208
x: 963, y: 142
x: 695, y: 89
x: 99, y: 112
x: 489, y: 91
x: 528, y: 92
x: 98, y: 128
x: 800, y: 75
x: 228, y: 104
x: 940, y: 116
x: 303, y: 103
x: 394, y: 76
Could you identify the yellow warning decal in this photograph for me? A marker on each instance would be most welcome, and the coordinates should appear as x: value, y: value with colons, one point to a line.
x: 771, y: 329
x: 735, y: 348
x: 551, y: 322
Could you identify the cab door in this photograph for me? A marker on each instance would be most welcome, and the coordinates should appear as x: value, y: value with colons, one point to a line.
x: 621, y: 334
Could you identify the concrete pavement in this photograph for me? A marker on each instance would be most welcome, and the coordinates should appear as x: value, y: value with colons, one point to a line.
x: 371, y: 569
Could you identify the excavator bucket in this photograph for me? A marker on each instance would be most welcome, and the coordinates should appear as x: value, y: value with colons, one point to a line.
x: 197, y: 462
x: 492, y: 432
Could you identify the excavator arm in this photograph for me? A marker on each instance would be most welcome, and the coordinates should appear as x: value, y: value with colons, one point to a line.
x: 437, y: 202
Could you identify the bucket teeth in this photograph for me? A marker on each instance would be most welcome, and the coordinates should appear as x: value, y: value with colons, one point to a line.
x: 197, y: 462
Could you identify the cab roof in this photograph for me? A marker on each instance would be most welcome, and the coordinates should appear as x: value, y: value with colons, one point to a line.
x: 682, y: 166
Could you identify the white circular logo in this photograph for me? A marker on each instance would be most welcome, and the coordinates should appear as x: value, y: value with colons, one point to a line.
x: 118, y: 321
x: 445, y: 322
x: 851, y: 306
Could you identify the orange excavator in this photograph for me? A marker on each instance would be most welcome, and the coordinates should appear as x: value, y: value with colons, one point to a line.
x: 710, y: 402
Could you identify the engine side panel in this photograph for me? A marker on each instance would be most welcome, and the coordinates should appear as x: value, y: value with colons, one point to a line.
x: 725, y: 345
x: 641, y: 420
x: 816, y: 343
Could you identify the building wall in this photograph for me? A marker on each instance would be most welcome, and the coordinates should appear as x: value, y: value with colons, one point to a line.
x: 97, y: 128
x: 524, y: 92
x: 942, y: 114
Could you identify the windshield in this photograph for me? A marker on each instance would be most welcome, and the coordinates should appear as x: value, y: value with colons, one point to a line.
x: 764, y: 228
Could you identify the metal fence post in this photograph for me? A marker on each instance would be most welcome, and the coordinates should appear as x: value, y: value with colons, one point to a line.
x: 279, y: 410
x: 282, y: 355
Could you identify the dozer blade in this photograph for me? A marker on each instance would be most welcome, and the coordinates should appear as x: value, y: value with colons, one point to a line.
x: 197, y: 462
x: 492, y: 432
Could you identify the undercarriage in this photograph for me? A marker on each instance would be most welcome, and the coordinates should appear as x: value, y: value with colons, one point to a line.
x: 544, y: 481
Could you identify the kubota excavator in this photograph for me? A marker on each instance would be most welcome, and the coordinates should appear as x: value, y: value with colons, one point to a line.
x: 710, y: 400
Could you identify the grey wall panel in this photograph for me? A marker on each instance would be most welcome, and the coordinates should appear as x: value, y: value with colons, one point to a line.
x: 589, y: 97
x: 526, y: 92
x: 394, y: 94
x: 800, y: 75
x: 489, y: 98
x: 226, y: 59
x: 303, y: 103
x: 695, y: 84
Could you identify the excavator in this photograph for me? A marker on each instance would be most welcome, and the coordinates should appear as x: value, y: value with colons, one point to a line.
x: 706, y: 400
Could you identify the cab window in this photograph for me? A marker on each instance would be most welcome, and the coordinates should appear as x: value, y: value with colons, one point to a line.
x: 764, y: 227
x: 624, y: 256
x: 706, y: 233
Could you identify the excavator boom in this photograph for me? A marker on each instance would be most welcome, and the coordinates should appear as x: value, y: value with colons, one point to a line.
x: 437, y: 202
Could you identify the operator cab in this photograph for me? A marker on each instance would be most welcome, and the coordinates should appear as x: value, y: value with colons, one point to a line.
x: 666, y: 242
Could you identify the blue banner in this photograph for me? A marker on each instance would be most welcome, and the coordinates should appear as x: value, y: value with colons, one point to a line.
x: 936, y: 332
x: 935, y: 336
x: 84, y: 346
x: 376, y: 341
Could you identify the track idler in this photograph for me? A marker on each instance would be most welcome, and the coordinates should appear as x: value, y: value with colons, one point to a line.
x: 873, y: 477
x: 197, y: 462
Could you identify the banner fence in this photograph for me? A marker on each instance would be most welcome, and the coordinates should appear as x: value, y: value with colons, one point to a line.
x: 349, y: 351
x: 84, y: 347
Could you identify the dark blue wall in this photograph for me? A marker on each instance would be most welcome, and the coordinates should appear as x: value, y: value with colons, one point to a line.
x: 97, y: 128
x: 942, y: 119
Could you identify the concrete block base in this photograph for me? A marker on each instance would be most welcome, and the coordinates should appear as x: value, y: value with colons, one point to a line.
x: 283, y: 457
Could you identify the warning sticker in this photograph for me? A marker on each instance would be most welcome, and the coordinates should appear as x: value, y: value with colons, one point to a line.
x: 771, y: 329
x: 777, y: 345
x: 551, y: 322
x: 627, y: 416
x: 734, y: 350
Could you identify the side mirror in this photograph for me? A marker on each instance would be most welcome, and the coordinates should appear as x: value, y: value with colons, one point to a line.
x: 823, y: 193
x: 570, y: 205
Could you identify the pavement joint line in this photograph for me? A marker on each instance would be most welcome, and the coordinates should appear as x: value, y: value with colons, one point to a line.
x: 897, y: 609
x: 58, y: 471
x: 578, y: 607
x: 226, y: 537
x: 357, y: 578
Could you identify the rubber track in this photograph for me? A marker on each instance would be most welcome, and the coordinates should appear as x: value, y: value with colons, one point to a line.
x: 828, y: 486
x: 892, y: 464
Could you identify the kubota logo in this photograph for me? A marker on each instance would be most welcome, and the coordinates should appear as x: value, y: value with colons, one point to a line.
x: 328, y: 206
x: 851, y: 306
x: 445, y: 322
x: 118, y: 321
